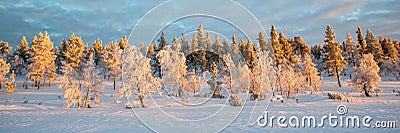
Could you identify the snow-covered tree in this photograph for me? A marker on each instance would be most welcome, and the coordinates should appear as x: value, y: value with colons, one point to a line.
x: 240, y: 82
x: 72, y: 90
x: 21, y: 56
x: 311, y: 74
x: 10, y: 86
x: 4, y: 69
x: 366, y: 77
x: 173, y: 68
x: 333, y: 54
x: 93, y: 82
x: 391, y: 66
x: 137, y: 80
x: 4, y: 49
x: 290, y: 80
x: 262, y: 40
x: 268, y: 72
x: 277, y: 45
x: 42, y: 59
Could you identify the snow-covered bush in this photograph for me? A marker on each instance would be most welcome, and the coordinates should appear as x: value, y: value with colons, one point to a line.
x: 235, y: 100
x: 335, y: 95
x: 4, y: 69
x: 10, y: 86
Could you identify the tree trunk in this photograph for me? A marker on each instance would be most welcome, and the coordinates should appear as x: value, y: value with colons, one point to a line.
x: 114, y: 84
x: 38, y: 84
x: 338, y: 76
x: 365, y: 91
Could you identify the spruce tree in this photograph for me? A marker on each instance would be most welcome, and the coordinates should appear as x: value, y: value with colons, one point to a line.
x: 286, y: 47
x: 22, y: 52
x: 300, y: 47
x: 373, y: 46
x: 333, y: 54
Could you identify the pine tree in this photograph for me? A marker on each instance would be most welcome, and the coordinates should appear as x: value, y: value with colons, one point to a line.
x: 162, y: 42
x: 73, y: 52
x: 277, y: 46
x: 362, y: 45
x: 389, y: 48
x: 286, y: 47
x: 22, y: 52
x: 300, y: 47
x: 4, y: 49
x: 351, y: 54
x: 333, y: 54
x: 42, y: 65
x: 373, y: 46
x: 366, y: 77
x: 123, y: 43
x: 4, y: 69
x: 113, y: 61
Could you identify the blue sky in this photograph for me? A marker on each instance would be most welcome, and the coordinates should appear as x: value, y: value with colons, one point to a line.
x: 110, y: 20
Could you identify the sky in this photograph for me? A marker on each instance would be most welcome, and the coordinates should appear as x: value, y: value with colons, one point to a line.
x: 111, y: 20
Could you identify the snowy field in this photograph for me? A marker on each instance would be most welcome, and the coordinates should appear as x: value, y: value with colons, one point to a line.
x: 43, y: 110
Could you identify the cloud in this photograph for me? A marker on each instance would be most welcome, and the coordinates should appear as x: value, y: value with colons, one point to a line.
x: 110, y: 20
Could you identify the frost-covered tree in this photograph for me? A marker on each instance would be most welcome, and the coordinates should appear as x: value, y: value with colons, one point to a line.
x: 262, y: 40
x: 138, y: 82
x: 42, y: 59
x: 268, y: 72
x: 366, y: 77
x: 333, y: 54
x: 4, y: 69
x: 311, y: 74
x: 72, y: 89
x: 173, y: 68
x: 10, y: 86
x: 391, y: 66
x: 123, y: 43
x: 93, y: 82
x: 290, y: 80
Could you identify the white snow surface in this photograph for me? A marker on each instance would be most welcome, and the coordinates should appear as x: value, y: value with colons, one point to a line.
x: 44, y: 111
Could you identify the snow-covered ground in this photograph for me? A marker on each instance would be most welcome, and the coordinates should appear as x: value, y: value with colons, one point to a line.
x: 43, y: 110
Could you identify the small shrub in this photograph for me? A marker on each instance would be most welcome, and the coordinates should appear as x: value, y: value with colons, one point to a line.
x: 335, y: 95
x: 235, y: 100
